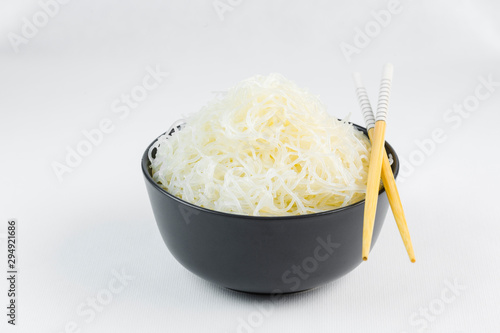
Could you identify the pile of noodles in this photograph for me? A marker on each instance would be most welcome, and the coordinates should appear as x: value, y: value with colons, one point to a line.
x: 267, y: 148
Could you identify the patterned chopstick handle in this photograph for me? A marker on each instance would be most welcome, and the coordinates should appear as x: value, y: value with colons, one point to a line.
x: 384, y: 93
x: 364, y: 102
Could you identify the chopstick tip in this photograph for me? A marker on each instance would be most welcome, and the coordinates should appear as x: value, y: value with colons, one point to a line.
x: 357, y: 79
x: 365, y: 258
x: 388, y: 71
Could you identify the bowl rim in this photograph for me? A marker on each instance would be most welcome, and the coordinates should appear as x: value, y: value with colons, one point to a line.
x: 145, y: 163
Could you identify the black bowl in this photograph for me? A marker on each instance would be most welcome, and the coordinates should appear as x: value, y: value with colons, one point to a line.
x: 254, y: 254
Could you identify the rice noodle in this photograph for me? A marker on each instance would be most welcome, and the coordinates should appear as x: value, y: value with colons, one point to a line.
x: 267, y: 148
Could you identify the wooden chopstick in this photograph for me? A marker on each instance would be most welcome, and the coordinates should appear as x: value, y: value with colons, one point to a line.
x: 375, y: 168
x: 387, y: 175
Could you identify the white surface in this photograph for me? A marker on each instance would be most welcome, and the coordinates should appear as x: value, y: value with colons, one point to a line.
x: 74, y: 233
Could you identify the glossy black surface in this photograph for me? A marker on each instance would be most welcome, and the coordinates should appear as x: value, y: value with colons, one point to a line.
x: 263, y: 254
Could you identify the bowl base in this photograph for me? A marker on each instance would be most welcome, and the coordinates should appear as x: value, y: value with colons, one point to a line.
x: 265, y: 294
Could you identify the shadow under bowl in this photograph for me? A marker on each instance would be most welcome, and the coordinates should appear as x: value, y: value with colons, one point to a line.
x: 255, y: 254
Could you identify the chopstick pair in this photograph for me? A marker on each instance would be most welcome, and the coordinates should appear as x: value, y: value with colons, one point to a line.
x: 379, y: 163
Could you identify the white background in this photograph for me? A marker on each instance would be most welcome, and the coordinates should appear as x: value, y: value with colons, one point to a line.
x: 74, y: 233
